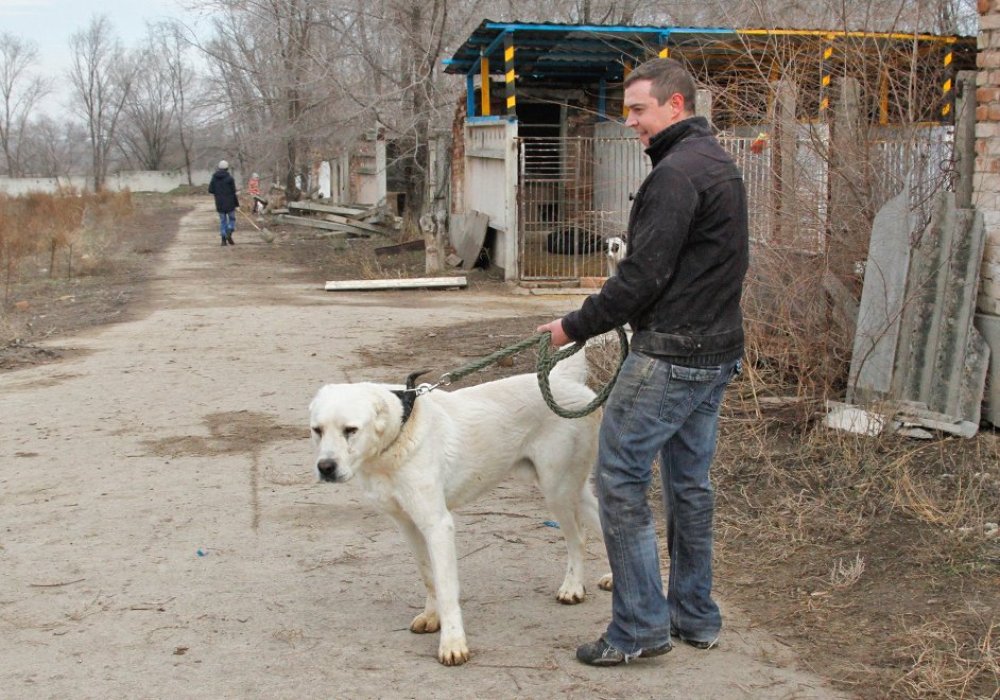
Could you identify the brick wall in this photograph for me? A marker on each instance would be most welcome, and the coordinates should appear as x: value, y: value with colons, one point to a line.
x: 987, y: 177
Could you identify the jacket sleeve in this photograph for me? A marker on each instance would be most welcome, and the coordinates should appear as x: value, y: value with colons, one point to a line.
x: 657, y: 231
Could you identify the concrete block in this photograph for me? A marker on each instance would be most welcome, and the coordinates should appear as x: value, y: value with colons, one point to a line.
x: 989, y: 326
x: 881, y: 302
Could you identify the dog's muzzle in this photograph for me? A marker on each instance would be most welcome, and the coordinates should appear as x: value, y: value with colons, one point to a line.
x: 327, y: 469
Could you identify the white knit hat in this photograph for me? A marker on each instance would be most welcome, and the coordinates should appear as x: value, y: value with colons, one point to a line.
x: 223, y: 165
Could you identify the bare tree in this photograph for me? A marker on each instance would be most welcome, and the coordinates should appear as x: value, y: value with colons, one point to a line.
x: 148, y: 120
x: 20, y: 92
x: 173, y: 49
x: 101, y: 76
x: 269, y: 59
x: 55, y: 148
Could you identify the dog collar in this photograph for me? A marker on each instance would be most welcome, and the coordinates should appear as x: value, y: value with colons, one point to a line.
x: 408, y: 396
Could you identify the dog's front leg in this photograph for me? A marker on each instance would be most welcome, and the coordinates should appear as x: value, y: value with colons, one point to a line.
x: 428, y: 620
x: 440, y: 537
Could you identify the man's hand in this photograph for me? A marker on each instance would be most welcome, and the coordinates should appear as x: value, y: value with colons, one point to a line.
x: 559, y: 337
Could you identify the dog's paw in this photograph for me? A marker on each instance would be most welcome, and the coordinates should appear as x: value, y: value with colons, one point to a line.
x: 425, y: 622
x: 571, y: 595
x: 606, y: 583
x: 453, y: 652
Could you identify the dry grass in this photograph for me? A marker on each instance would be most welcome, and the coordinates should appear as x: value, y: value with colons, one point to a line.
x: 64, y: 234
x: 851, y: 546
x: 944, y: 662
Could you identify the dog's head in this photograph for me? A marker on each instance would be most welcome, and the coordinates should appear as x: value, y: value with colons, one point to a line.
x: 351, y: 424
x: 617, y: 249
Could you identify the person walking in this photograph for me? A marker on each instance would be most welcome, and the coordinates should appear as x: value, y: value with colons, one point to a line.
x: 223, y: 186
x: 679, y: 286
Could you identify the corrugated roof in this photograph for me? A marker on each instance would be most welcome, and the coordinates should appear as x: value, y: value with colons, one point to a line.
x: 580, y: 53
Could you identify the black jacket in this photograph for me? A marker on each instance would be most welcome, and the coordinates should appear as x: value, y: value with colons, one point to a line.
x: 688, y: 249
x: 223, y: 186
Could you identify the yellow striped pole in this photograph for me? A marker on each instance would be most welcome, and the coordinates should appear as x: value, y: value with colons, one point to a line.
x: 625, y: 73
x: 484, y: 84
x: 947, y: 88
x: 509, y: 74
x: 825, y: 74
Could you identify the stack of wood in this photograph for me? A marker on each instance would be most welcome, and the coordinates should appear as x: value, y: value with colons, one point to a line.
x: 340, y: 220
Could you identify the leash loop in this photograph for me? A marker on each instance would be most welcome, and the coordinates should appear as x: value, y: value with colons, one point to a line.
x: 547, y: 360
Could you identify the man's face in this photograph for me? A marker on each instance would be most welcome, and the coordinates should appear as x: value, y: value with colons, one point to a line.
x: 646, y: 116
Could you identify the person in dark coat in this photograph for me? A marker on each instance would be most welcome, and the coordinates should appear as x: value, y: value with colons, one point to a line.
x: 223, y: 186
x: 679, y: 287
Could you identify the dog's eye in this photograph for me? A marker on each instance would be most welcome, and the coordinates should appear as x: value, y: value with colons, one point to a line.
x: 349, y: 431
x: 318, y: 432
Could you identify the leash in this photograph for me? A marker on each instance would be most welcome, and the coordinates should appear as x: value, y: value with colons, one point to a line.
x: 547, y: 360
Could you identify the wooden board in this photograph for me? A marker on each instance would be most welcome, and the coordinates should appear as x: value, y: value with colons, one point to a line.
x: 417, y: 244
x: 371, y: 228
x: 413, y: 283
x: 355, y: 213
x: 325, y: 225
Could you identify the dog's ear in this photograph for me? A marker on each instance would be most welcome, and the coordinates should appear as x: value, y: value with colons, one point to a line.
x: 381, y: 419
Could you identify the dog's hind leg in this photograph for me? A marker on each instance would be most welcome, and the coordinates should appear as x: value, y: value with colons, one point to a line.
x: 591, y: 517
x: 561, y: 499
x: 428, y: 620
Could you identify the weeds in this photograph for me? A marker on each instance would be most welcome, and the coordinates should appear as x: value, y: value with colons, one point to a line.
x: 904, y: 522
x: 65, y: 228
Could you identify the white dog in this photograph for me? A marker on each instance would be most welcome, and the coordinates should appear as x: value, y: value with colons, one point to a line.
x: 617, y: 249
x: 453, y: 447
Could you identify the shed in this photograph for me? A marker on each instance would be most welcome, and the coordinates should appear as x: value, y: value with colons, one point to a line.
x: 543, y: 151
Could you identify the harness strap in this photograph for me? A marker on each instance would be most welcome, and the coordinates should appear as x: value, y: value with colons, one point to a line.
x: 408, y: 396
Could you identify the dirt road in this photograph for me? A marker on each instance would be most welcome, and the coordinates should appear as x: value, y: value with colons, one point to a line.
x: 163, y: 536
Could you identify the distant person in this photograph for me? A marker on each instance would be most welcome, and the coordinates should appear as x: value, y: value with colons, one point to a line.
x: 253, y: 187
x: 223, y: 186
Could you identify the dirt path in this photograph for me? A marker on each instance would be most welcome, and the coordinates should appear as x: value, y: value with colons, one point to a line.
x: 163, y: 536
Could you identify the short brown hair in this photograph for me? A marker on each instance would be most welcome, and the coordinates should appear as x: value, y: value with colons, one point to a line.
x: 667, y: 77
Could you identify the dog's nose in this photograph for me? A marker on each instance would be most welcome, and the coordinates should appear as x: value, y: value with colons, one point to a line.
x: 327, y: 469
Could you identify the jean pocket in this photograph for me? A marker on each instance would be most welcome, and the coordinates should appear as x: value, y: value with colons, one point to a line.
x: 695, y: 374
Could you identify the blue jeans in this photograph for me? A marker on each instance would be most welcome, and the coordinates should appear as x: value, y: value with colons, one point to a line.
x: 227, y: 222
x: 659, y: 407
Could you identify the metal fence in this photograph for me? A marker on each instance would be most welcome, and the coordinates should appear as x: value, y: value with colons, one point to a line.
x: 574, y: 193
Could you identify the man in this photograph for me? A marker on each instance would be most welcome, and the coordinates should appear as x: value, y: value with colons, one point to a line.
x: 223, y: 186
x: 679, y: 286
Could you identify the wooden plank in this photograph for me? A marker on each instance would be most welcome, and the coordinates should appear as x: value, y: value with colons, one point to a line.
x: 353, y: 212
x: 325, y: 225
x: 371, y: 228
x: 412, y: 283
x: 417, y: 244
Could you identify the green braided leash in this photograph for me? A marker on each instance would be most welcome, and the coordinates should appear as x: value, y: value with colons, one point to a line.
x: 547, y: 359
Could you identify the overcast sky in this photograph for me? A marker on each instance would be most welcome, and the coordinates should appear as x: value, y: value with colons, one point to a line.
x: 50, y: 23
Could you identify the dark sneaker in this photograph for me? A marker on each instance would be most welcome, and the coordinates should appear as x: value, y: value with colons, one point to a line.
x: 696, y: 643
x: 223, y: 241
x: 229, y: 239
x: 601, y: 653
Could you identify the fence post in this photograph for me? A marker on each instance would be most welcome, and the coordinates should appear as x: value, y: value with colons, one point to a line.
x: 965, y: 137
x: 846, y: 223
x: 786, y: 139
